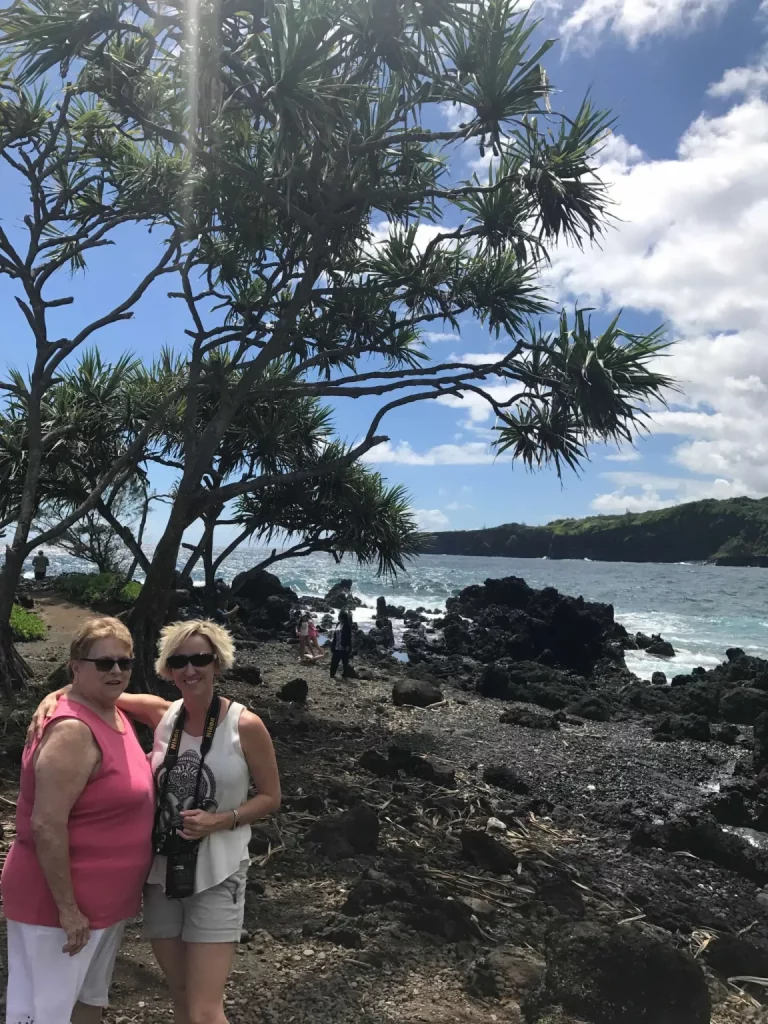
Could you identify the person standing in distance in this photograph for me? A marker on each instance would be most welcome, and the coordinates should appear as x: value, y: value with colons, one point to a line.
x: 40, y: 564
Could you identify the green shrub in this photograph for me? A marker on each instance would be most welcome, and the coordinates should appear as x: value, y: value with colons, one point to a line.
x: 26, y: 625
x: 98, y: 588
x: 129, y: 592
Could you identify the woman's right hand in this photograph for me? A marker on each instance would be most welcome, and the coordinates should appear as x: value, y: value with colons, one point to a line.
x: 78, y: 929
x: 43, y: 712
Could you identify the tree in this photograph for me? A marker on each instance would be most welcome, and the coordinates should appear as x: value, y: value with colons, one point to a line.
x: 348, y: 513
x: 73, y: 162
x: 332, y: 229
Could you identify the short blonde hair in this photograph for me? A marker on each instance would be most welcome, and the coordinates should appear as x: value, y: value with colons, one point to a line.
x: 176, y: 633
x: 101, y: 628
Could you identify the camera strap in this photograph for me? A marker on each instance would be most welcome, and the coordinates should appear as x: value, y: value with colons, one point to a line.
x: 172, y: 752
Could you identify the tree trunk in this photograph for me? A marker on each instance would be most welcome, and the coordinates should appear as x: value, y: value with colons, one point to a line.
x: 153, y: 605
x: 14, y: 671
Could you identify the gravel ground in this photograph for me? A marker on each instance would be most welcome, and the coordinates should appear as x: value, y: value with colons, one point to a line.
x: 588, y: 780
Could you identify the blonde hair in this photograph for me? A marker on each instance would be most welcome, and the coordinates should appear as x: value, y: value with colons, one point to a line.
x: 101, y: 628
x: 176, y: 633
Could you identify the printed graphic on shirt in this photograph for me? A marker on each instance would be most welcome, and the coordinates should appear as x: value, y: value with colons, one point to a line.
x: 180, y: 795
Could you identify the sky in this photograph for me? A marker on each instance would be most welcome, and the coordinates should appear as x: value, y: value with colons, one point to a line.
x: 688, y: 168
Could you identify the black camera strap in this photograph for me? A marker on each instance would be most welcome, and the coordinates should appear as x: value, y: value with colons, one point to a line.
x: 172, y: 753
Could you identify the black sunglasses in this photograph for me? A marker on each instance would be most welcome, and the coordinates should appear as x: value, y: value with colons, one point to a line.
x: 106, y: 664
x: 182, y: 660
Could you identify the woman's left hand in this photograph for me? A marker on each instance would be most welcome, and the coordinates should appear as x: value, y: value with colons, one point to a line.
x: 199, y: 824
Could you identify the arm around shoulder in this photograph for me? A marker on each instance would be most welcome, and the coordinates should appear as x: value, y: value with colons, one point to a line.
x: 259, y: 754
x: 144, y: 707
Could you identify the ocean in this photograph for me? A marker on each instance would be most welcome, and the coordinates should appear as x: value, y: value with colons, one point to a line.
x: 701, y: 609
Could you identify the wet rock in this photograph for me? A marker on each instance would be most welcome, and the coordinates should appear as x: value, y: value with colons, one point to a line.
x: 529, y: 719
x: 297, y: 691
x: 743, y: 705
x: 340, y: 596
x: 661, y: 648
x: 344, y: 835
x: 682, y: 727
x: 486, y: 852
x: 734, y: 653
x: 643, y: 642
x: 415, y: 692
x: 761, y: 740
x: 595, y: 708
x: 658, y: 679
x: 618, y: 975
x: 730, y: 808
x: 383, y: 634
x: 736, y: 956
x: 505, y: 778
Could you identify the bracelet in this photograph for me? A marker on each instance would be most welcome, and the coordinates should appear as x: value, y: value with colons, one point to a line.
x: 235, y: 819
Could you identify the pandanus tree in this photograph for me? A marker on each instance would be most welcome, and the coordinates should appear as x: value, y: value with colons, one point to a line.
x: 64, y: 162
x: 333, y: 226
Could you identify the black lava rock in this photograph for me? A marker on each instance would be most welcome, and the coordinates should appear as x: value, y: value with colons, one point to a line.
x: 297, y: 690
x: 503, y: 777
x: 529, y: 719
x: 618, y: 975
x: 743, y: 705
x: 415, y: 692
x: 487, y: 852
x: 344, y: 835
x: 679, y: 727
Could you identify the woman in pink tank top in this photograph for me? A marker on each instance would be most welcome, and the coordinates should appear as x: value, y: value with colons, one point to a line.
x: 75, y: 872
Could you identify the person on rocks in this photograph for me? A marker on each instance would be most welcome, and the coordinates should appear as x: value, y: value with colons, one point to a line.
x: 313, y: 643
x: 207, y: 750
x: 75, y: 872
x: 303, y: 634
x: 40, y: 565
x: 341, y: 645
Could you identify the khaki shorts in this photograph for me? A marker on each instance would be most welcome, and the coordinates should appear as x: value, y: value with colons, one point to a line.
x: 213, y: 915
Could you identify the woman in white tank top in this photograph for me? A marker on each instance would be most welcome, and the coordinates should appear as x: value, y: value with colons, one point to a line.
x: 194, y: 938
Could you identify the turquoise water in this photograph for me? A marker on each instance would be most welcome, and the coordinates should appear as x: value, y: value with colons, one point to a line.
x: 702, y: 609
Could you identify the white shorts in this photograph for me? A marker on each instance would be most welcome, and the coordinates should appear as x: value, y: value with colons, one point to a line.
x: 44, y: 984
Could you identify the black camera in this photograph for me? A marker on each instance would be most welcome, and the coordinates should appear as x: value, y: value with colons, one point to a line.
x: 181, y: 862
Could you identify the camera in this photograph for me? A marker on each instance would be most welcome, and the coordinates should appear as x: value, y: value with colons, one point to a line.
x: 181, y: 862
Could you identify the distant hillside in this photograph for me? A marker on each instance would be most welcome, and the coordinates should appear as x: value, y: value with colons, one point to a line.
x: 732, y: 532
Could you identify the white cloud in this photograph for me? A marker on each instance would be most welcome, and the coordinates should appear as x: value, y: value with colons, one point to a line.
x: 741, y: 82
x: 430, y: 518
x: 628, y: 456
x: 438, y: 336
x: 691, y: 247
x: 472, y: 453
x: 634, y: 20
x: 457, y: 506
x: 639, y: 492
x: 476, y: 358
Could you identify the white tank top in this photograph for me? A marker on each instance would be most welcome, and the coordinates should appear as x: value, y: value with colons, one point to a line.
x: 223, y: 786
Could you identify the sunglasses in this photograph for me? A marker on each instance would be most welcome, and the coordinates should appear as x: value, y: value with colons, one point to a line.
x: 107, y: 664
x: 177, y: 661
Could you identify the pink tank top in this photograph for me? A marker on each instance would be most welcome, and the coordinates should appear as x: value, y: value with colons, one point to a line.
x: 110, y: 833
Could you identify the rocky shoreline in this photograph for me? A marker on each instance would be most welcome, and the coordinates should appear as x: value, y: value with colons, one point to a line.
x: 498, y: 829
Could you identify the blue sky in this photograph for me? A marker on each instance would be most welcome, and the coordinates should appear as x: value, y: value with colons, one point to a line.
x: 689, y: 169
